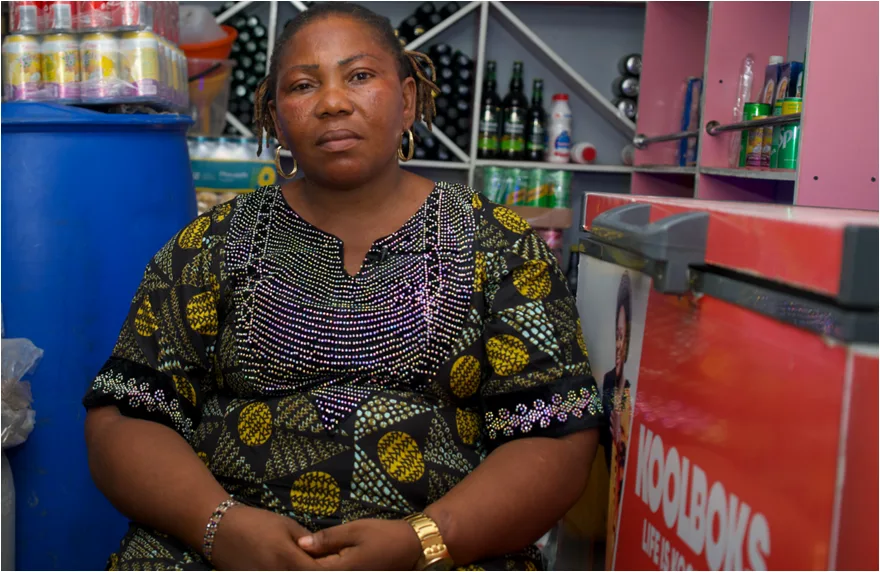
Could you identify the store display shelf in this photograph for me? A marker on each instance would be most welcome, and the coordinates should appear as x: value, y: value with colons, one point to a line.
x: 665, y: 169
x: 442, y: 26
x: 772, y: 175
x: 453, y: 165
x: 540, y: 217
x: 613, y: 169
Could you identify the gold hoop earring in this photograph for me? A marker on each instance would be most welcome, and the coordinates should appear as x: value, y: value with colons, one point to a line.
x: 410, y: 150
x: 278, y: 165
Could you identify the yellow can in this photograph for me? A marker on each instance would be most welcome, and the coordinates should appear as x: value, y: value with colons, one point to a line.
x: 22, y: 69
x: 61, y: 67
x: 140, y: 64
x: 100, y: 67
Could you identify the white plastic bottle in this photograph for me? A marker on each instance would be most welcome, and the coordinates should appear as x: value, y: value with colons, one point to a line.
x: 584, y: 153
x: 559, y: 130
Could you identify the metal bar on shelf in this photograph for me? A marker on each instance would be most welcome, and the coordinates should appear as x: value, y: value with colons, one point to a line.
x: 479, y: 64
x: 714, y: 128
x: 439, y: 28
x: 238, y: 7
x: 273, y: 28
x: 640, y: 141
x: 450, y: 144
x: 241, y: 127
x: 299, y: 5
x: 574, y: 80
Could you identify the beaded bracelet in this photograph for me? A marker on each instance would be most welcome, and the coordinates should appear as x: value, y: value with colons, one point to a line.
x: 213, y: 524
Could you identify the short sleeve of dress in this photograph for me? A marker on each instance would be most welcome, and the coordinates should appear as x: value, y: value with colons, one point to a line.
x: 160, y: 367
x: 539, y: 381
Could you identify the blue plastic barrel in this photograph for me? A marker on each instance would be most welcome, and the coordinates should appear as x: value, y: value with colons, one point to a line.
x: 87, y: 199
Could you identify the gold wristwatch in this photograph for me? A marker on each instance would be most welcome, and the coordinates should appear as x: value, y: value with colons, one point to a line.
x: 435, y: 556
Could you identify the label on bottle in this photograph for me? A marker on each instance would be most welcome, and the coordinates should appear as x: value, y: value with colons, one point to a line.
x: 537, y: 138
x: 513, y: 139
x: 488, y: 139
x: 562, y: 144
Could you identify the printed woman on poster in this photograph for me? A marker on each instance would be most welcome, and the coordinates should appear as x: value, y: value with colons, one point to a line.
x: 617, y: 404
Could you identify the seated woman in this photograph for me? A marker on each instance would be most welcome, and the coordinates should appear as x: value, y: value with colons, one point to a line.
x: 358, y: 369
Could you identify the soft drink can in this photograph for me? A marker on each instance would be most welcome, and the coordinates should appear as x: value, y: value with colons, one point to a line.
x: 561, y: 185
x: 173, y: 22
x: 140, y: 63
x: 790, y: 136
x: 493, y: 184
x: 750, y: 111
x: 22, y: 68
x: 60, y: 16
x: 540, y: 191
x: 100, y: 67
x: 130, y: 15
x: 61, y: 67
x: 25, y: 17
x: 95, y: 15
x: 516, y: 186
x: 183, y: 95
x: 755, y: 145
x: 160, y: 19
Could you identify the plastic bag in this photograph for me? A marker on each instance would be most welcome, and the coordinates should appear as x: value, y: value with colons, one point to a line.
x: 19, y: 357
x: 198, y: 25
x: 743, y: 96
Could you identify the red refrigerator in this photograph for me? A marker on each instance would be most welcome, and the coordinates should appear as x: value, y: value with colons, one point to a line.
x: 735, y: 346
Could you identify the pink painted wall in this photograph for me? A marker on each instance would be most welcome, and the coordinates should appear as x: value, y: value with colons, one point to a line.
x: 738, y: 28
x: 838, y: 165
x: 674, y: 47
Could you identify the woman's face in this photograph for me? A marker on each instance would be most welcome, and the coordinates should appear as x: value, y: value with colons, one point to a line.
x: 340, y: 106
x: 620, y: 341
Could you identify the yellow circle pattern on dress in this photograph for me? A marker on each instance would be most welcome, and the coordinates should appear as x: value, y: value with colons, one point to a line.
x: 221, y: 212
x: 201, y: 313
x: 580, y: 339
x: 468, y: 425
x: 204, y: 458
x: 532, y: 279
x: 191, y: 236
x: 475, y: 200
x: 507, y: 354
x: 255, y: 424
x: 145, y: 322
x: 480, y: 276
x: 465, y: 377
x: 400, y: 456
x: 184, y: 388
x: 316, y: 493
x: 510, y: 220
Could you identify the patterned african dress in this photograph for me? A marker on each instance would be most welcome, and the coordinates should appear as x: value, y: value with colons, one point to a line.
x: 329, y: 397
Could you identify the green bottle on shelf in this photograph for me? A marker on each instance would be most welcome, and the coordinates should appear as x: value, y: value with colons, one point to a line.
x: 490, y: 116
x: 513, y: 140
x: 536, y: 136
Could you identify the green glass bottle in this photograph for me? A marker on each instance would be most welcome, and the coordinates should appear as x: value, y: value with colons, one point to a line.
x: 515, y: 107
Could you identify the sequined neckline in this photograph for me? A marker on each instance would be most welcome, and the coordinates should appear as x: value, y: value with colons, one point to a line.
x: 413, y: 222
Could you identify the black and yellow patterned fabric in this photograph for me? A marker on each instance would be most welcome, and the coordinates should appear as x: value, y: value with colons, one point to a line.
x: 329, y: 397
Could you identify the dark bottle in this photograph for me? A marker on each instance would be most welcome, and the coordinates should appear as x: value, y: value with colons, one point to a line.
x: 449, y: 9
x: 451, y: 131
x: 420, y: 154
x: 490, y: 116
x: 442, y: 105
x: 431, y: 20
x: 630, y: 65
x: 410, y: 29
x: 626, y: 107
x: 437, y: 50
x: 571, y: 277
x: 251, y: 48
x: 443, y: 61
x: 626, y: 87
x: 238, y: 75
x: 446, y: 88
x: 443, y: 154
x: 463, y: 91
x: 463, y: 141
x: 464, y: 76
x: 515, y: 106
x: 446, y: 74
x: 260, y: 57
x: 464, y: 107
x: 452, y: 114
x: 429, y: 144
x: 536, y: 124
x: 461, y: 61
x: 239, y: 23
x: 260, y: 70
x: 439, y: 122
x: 258, y: 32
x: 463, y: 123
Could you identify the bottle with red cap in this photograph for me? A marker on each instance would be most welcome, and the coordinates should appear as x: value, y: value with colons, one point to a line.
x: 584, y: 153
x: 559, y: 130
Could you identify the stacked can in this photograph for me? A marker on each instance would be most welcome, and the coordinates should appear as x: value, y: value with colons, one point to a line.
x: 61, y: 67
x: 751, y: 138
x: 516, y: 186
x: 527, y: 187
x: 560, y: 182
x: 22, y: 67
x: 493, y: 184
x: 789, y: 143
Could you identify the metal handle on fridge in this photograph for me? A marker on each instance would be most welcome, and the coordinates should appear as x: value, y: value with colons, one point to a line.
x: 665, y: 249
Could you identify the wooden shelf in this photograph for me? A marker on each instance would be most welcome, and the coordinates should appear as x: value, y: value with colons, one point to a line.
x: 774, y: 175
x: 540, y: 217
x: 618, y: 169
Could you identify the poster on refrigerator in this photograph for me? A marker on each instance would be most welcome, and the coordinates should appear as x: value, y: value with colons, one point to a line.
x: 614, y: 325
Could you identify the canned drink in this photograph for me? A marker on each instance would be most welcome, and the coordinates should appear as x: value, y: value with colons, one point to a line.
x: 139, y: 52
x: 95, y: 15
x: 22, y: 68
x: 173, y: 25
x: 516, y: 185
x: 131, y: 15
x: 755, y: 145
x: 493, y: 184
x: 540, y: 192
x: 750, y: 111
x: 560, y: 182
x: 100, y: 67
x: 160, y: 19
x: 59, y: 16
x: 766, y: 147
x: 25, y: 17
x: 184, y: 78
x: 790, y: 136
x: 61, y: 67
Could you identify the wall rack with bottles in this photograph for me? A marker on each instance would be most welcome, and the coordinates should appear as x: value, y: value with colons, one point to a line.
x: 838, y: 161
x: 486, y: 12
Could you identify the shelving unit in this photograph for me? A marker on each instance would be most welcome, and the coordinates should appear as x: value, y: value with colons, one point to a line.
x: 838, y: 161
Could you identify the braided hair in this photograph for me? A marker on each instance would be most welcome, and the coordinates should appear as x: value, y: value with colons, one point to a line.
x: 409, y: 63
